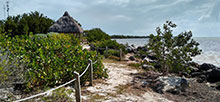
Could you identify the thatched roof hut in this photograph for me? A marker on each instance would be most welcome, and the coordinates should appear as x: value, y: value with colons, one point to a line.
x: 66, y: 24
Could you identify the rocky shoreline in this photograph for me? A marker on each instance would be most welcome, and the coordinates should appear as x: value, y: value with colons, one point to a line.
x: 205, y: 72
x: 180, y: 86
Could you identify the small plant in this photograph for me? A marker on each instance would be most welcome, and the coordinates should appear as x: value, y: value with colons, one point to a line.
x: 173, y: 52
x: 135, y: 65
x: 111, y: 52
x: 114, y: 58
x: 10, y: 71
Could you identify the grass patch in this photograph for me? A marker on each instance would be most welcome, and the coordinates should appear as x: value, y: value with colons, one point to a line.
x: 115, y: 58
x: 60, y: 95
x: 121, y: 89
x: 136, y: 65
x: 97, y: 97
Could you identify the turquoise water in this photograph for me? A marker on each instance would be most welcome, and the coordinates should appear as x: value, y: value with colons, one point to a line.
x: 209, y: 45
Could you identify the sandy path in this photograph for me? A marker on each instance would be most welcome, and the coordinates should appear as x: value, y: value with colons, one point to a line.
x: 119, y: 75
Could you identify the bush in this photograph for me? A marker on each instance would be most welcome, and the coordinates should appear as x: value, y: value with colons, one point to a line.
x: 135, y: 65
x: 10, y: 71
x: 112, y: 52
x: 96, y: 34
x: 173, y: 52
x: 50, y: 60
x: 24, y: 24
x: 111, y: 44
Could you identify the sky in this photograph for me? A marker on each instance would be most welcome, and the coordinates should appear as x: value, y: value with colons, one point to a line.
x: 129, y: 17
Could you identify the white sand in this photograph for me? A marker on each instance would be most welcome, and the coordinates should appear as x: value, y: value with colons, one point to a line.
x: 119, y: 74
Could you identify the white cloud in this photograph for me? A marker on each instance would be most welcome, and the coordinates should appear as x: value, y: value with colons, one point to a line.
x: 207, y: 11
x: 121, y: 3
x: 121, y: 18
x: 129, y: 16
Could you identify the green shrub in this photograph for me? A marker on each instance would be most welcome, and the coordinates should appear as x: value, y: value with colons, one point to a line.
x: 10, y: 71
x: 96, y: 34
x: 135, y: 65
x: 51, y: 60
x: 112, y: 52
x: 111, y: 44
x: 24, y: 24
x: 3, y: 75
x: 173, y: 52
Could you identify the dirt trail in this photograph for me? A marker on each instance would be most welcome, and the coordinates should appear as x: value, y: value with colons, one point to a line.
x: 113, y: 88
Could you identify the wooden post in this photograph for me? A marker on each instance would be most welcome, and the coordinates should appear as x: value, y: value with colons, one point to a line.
x: 77, y: 87
x: 91, y: 73
x: 120, y: 55
x: 106, y: 49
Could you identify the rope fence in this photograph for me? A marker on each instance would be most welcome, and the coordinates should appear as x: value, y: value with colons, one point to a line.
x: 95, y: 62
x: 77, y: 84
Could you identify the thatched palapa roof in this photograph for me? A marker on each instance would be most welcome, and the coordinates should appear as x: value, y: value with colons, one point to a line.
x: 66, y: 24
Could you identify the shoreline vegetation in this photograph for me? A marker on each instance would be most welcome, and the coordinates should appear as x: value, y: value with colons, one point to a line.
x: 126, y: 36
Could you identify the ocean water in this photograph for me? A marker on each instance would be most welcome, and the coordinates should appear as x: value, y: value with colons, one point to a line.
x: 210, y: 48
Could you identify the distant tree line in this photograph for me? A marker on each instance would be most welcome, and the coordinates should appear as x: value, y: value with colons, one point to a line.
x: 126, y: 36
x: 34, y: 22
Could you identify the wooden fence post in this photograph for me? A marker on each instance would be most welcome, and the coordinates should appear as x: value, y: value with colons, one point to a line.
x: 77, y: 87
x: 106, y: 49
x: 120, y: 55
x: 91, y: 73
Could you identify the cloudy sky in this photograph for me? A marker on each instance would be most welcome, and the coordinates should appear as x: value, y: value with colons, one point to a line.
x: 130, y: 17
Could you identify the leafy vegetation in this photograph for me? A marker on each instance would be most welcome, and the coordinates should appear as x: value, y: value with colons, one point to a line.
x: 34, y: 22
x: 101, y: 41
x: 60, y: 95
x: 50, y: 60
x: 135, y: 65
x: 111, y: 52
x: 10, y: 71
x: 173, y: 52
x: 96, y: 34
x: 111, y: 44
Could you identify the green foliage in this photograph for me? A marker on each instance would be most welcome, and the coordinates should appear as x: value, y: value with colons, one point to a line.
x: 112, y: 52
x: 24, y: 24
x: 1, y: 26
x: 173, y: 52
x: 60, y: 95
x: 3, y: 74
x: 10, y: 71
x: 111, y: 44
x: 51, y: 60
x: 135, y: 65
x: 96, y: 34
x: 101, y: 40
